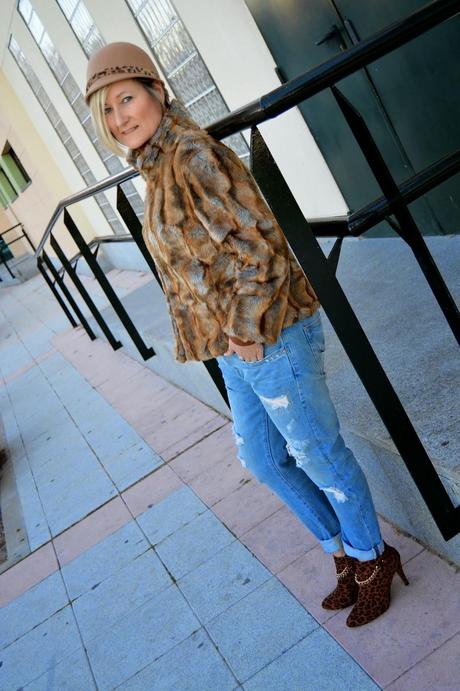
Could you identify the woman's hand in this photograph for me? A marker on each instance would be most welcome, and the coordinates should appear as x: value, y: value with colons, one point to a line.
x: 249, y: 352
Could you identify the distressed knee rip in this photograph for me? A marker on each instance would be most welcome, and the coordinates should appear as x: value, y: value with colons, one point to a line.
x: 275, y: 403
x: 296, y: 450
x: 239, y: 441
x: 338, y: 494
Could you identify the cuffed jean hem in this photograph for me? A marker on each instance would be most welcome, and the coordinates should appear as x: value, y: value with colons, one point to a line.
x: 333, y: 544
x: 364, y: 554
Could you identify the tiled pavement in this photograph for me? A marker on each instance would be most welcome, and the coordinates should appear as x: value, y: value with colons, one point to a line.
x: 156, y: 561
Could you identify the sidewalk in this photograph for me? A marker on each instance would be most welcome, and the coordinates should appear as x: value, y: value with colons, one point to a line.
x: 148, y: 558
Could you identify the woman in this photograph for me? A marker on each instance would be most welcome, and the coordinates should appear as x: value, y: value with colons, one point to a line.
x: 235, y: 292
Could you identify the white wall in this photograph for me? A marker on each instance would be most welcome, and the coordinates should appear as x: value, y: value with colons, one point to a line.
x: 243, y: 68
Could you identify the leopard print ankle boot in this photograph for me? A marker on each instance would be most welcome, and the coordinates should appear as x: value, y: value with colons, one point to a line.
x: 346, y: 592
x: 374, y: 580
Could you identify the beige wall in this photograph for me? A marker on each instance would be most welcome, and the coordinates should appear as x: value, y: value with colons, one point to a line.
x: 35, y: 206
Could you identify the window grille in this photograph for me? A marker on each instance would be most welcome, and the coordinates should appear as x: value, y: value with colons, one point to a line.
x: 182, y: 65
x: 81, y: 19
x: 12, y: 167
x: 62, y: 131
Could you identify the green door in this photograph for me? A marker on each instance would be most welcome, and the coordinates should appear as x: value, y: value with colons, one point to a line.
x: 409, y: 99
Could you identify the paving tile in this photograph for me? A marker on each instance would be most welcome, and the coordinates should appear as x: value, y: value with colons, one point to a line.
x: 18, y: 372
x: 15, y: 358
x: 109, y: 436
x: 193, y: 665
x: 439, y: 670
x: 421, y: 617
x: 175, y: 424
x: 203, y: 455
x: 27, y: 573
x: 101, y: 607
x: 51, y: 364
x: 151, y: 490
x: 144, y: 395
x: 39, y: 649
x: 169, y: 515
x: 31, y: 608
x: 69, y: 503
x: 99, y: 369
x: 317, y: 663
x: 258, y: 628
x: 35, y: 522
x: 220, y: 480
x: 152, y: 630
x: 71, y: 674
x: 247, y: 507
x: 132, y: 464
x: 140, y: 393
x: 310, y: 578
x: 91, y: 530
x: 193, y: 544
x: 199, y: 432
x: 279, y: 540
x: 104, y: 559
x: 37, y: 425
x: 87, y: 402
x: 222, y: 580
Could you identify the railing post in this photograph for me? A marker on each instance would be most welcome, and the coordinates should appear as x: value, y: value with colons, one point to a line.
x: 68, y: 295
x: 353, y: 338
x: 84, y: 294
x: 107, y: 288
x: 51, y: 285
x: 407, y: 229
x: 134, y: 226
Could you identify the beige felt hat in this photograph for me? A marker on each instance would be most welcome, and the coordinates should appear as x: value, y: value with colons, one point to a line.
x: 115, y: 62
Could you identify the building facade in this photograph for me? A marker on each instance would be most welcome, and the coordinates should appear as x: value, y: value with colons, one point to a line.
x: 212, y: 57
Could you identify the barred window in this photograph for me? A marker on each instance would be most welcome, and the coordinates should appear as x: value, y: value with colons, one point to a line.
x: 182, y: 65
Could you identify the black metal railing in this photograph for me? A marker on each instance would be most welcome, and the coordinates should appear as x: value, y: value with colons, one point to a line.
x: 6, y: 244
x: 302, y: 235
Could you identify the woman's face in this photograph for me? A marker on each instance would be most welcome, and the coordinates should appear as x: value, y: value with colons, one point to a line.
x: 131, y: 113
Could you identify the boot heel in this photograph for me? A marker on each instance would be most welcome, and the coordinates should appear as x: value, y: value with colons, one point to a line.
x: 401, y: 574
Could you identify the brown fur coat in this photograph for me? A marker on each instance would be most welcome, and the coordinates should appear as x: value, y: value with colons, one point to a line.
x: 223, y: 260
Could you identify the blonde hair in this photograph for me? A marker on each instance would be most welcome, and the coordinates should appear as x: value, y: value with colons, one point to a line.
x: 97, y: 108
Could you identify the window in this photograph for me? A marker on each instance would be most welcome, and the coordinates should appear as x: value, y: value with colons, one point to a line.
x: 7, y: 192
x: 183, y: 67
x: 90, y: 39
x: 14, y: 170
x: 3, y: 200
x: 62, y: 132
x: 82, y: 24
x: 82, y: 21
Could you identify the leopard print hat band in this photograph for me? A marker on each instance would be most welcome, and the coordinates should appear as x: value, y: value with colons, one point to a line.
x: 115, y: 62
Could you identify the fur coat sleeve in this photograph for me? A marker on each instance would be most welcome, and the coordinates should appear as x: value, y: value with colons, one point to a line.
x: 229, y: 205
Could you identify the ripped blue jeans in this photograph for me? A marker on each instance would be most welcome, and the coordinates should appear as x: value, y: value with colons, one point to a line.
x: 288, y: 436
